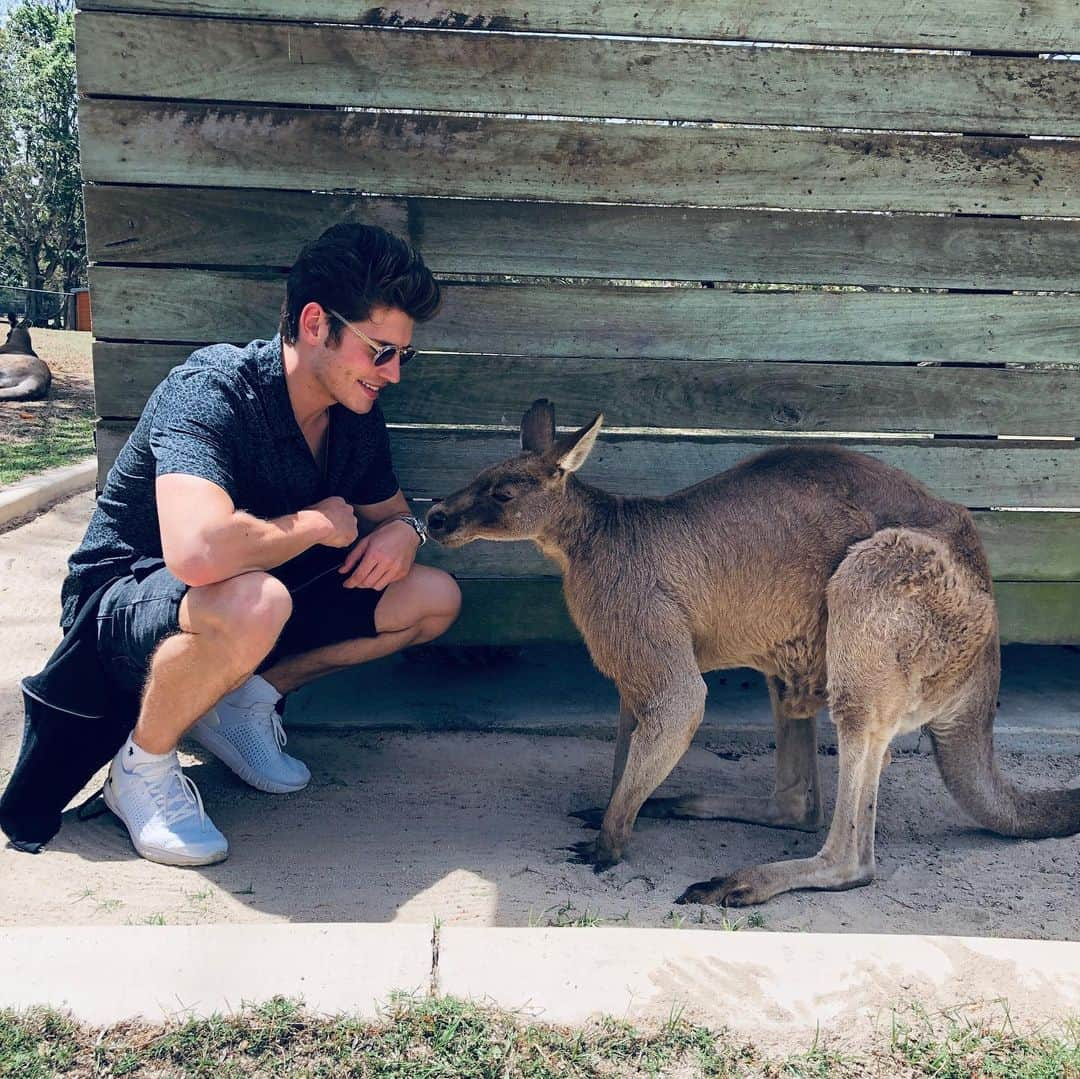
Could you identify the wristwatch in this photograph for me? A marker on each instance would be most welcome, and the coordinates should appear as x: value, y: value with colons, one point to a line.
x: 416, y: 525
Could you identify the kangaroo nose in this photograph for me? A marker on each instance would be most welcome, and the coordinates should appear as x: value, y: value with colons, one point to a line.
x: 436, y: 519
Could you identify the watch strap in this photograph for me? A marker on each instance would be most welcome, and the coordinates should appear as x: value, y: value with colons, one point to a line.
x: 416, y: 525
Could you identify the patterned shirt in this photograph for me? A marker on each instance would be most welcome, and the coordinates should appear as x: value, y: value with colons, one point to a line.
x: 224, y: 415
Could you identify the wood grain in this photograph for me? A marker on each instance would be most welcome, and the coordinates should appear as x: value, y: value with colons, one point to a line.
x: 230, y: 228
x: 999, y: 25
x: 549, y: 319
x: 980, y: 474
x: 281, y: 63
x: 735, y: 395
x: 126, y: 141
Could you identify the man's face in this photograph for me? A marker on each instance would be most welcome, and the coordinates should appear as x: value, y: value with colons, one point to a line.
x: 347, y: 371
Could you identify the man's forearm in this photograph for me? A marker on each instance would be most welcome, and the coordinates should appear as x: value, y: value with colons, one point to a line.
x: 244, y: 543
x: 372, y: 516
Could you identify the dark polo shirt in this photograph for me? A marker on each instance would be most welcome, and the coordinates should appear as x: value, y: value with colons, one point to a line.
x: 224, y: 415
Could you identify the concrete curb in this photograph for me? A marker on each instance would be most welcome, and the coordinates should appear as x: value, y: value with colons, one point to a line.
x: 770, y: 987
x: 35, y: 492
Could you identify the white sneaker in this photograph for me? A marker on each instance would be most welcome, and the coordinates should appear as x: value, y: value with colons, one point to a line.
x: 162, y: 810
x: 244, y: 731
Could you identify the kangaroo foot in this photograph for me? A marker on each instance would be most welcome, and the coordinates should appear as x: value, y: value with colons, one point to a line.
x: 593, y: 852
x: 756, y: 884
x: 794, y: 813
x: 590, y: 818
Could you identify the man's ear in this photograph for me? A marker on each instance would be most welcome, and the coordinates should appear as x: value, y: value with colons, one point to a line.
x: 572, y: 450
x: 538, y: 427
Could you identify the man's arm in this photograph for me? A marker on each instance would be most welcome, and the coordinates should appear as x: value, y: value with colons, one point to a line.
x: 387, y: 552
x: 205, y: 539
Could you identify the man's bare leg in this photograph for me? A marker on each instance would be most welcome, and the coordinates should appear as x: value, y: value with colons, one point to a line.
x: 412, y: 611
x: 226, y: 630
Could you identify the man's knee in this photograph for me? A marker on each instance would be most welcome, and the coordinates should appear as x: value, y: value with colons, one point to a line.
x: 444, y: 594
x: 427, y: 599
x: 443, y: 609
x: 247, y: 611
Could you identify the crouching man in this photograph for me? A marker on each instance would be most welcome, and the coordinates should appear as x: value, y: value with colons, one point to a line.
x: 256, y: 537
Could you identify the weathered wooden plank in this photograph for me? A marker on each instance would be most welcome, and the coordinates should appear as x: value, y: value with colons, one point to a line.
x: 386, y: 153
x: 636, y: 323
x: 1031, y: 546
x: 1021, y: 547
x: 972, y: 474
x: 1003, y: 25
x: 225, y: 60
x: 523, y: 611
x: 702, y: 394
x: 212, y: 227
x: 430, y: 464
x: 1032, y: 612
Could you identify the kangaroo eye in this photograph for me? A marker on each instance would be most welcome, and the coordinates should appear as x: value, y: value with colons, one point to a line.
x: 502, y: 495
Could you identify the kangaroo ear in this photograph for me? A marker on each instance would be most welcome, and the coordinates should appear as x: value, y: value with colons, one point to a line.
x: 538, y: 427
x: 572, y: 450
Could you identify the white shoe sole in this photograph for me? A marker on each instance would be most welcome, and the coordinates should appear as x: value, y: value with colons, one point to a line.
x: 227, y: 753
x: 153, y: 854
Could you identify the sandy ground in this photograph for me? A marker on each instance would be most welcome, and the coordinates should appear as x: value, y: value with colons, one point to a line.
x: 470, y: 827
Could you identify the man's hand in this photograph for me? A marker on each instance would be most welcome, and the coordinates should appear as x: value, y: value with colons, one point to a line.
x: 339, y: 514
x: 382, y: 557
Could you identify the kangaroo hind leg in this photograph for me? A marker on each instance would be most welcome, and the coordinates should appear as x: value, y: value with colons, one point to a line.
x: 796, y: 798
x: 847, y: 858
x: 879, y: 648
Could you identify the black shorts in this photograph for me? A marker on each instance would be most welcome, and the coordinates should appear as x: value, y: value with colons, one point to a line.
x: 141, y: 610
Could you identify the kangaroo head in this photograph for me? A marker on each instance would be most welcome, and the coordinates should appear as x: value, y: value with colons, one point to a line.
x: 516, y: 499
x: 17, y: 341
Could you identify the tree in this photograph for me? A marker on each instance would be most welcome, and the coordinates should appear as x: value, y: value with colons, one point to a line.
x: 42, y: 229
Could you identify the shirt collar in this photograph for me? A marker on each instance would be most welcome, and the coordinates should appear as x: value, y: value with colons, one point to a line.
x: 270, y: 370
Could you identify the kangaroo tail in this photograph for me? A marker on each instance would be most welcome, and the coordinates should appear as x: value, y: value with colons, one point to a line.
x: 965, y: 755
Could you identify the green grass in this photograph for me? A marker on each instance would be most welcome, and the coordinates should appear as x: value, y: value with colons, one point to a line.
x: 566, y: 915
x: 444, y: 1038
x: 62, y: 440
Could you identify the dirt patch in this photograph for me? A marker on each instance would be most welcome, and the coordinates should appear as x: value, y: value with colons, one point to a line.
x: 471, y: 827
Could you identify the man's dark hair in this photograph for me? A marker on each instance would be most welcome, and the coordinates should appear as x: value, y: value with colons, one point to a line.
x: 354, y: 268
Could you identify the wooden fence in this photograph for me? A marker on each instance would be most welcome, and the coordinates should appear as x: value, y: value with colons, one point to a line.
x: 877, y: 243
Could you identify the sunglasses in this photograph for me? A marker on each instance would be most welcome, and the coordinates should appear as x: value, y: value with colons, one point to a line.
x: 383, y: 353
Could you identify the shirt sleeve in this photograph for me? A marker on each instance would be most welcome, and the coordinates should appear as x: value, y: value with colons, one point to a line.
x: 376, y: 481
x: 193, y: 431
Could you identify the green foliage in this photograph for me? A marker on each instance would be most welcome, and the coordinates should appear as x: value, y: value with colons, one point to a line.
x: 42, y: 231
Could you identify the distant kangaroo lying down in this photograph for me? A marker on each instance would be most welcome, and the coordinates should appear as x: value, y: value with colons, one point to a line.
x: 23, y: 374
x: 841, y: 579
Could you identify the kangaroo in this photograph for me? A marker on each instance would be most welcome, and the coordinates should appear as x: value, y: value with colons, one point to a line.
x: 24, y: 376
x: 843, y: 580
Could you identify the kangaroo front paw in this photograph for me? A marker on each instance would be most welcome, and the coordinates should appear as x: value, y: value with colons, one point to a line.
x: 590, y: 818
x: 592, y: 852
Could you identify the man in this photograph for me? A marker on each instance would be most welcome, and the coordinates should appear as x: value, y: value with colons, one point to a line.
x: 229, y: 528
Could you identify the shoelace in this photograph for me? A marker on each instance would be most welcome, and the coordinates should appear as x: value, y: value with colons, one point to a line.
x: 266, y: 710
x: 175, y: 799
